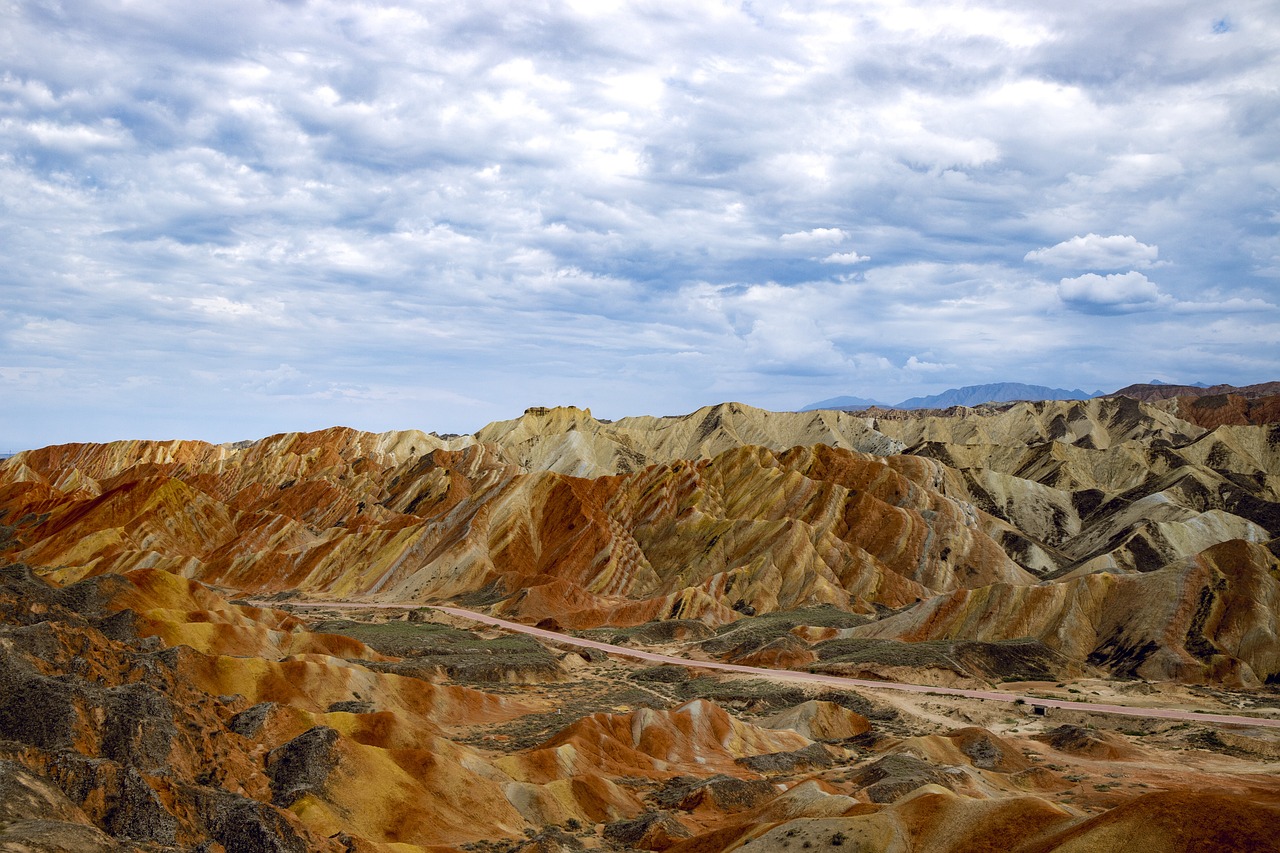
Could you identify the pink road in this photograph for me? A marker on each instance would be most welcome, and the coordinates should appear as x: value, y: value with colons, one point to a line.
x: 810, y: 677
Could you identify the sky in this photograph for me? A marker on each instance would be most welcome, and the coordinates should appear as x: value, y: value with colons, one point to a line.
x: 222, y: 221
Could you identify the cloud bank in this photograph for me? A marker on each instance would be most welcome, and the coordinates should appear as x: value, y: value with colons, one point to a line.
x: 227, y: 221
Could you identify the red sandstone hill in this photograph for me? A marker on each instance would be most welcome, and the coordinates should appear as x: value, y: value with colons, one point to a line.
x: 1214, y: 406
x: 1099, y: 493
x: 1151, y: 393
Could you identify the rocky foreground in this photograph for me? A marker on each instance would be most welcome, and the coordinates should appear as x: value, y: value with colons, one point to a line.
x: 1103, y: 548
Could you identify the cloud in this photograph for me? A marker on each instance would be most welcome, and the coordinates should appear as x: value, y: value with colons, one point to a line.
x: 918, y: 365
x: 849, y: 257
x: 1095, y: 252
x: 457, y: 210
x: 814, y: 237
x: 1120, y: 292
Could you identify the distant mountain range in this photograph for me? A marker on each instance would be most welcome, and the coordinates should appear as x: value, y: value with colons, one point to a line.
x: 970, y: 395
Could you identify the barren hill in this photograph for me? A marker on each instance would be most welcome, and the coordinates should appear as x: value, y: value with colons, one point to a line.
x: 1106, y: 543
x: 1150, y: 393
x: 558, y: 515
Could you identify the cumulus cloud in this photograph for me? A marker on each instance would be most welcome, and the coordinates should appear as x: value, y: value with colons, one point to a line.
x: 1130, y: 291
x: 1094, y: 252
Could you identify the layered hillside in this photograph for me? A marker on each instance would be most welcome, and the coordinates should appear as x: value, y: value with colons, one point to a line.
x: 1105, y: 484
x: 569, y: 441
x: 726, y: 511
x: 145, y: 707
x: 143, y: 712
x: 1214, y: 405
x: 1212, y: 617
x: 748, y: 527
x: 1150, y: 393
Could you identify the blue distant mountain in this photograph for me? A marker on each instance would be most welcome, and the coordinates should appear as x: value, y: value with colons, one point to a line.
x: 1189, y: 384
x: 847, y: 404
x: 999, y: 392
x: 970, y: 395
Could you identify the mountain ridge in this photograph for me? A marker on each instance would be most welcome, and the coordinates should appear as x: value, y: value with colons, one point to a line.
x: 968, y: 395
x: 1008, y: 392
x: 1106, y: 546
x: 558, y: 515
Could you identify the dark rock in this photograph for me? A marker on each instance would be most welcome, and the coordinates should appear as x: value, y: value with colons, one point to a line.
x: 115, y: 797
x: 139, y: 728
x: 649, y: 831
x: 351, y: 706
x: 24, y: 796
x: 724, y: 792
x: 986, y: 751
x: 37, y: 710
x: 302, y: 765
x: 1077, y: 740
x: 92, y: 596
x: 239, y: 823
x: 889, y: 778
x: 552, y: 839
x: 39, y: 601
x: 249, y: 722
x: 120, y: 626
x: 812, y: 757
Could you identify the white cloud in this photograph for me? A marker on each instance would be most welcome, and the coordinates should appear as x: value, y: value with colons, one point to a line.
x: 1233, y: 305
x: 814, y: 237
x: 850, y: 257
x: 1094, y: 252
x: 473, y: 207
x: 918, y: 365
x: 1130, y: 291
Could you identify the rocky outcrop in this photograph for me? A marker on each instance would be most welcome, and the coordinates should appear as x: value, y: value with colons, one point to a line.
x: 109, y: 739
x: 893, y: 776
x: 1212, y: 617
x: 650, y: 831
x: 302, y: 765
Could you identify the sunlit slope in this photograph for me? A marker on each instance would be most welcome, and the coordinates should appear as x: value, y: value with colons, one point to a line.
x: 693, y: 515
x: 749, y: 527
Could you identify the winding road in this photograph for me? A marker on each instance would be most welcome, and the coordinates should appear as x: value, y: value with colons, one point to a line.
x: 1179, y: 714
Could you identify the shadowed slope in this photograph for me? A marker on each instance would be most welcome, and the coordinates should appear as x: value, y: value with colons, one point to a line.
x: 1211, y: 617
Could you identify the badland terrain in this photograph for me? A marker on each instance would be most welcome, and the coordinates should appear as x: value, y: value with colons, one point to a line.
x: 234, y: 647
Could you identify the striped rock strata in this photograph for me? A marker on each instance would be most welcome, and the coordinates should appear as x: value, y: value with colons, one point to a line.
x: 770, y: 530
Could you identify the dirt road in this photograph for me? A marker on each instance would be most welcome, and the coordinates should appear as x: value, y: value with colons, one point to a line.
x: 814, y: 677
